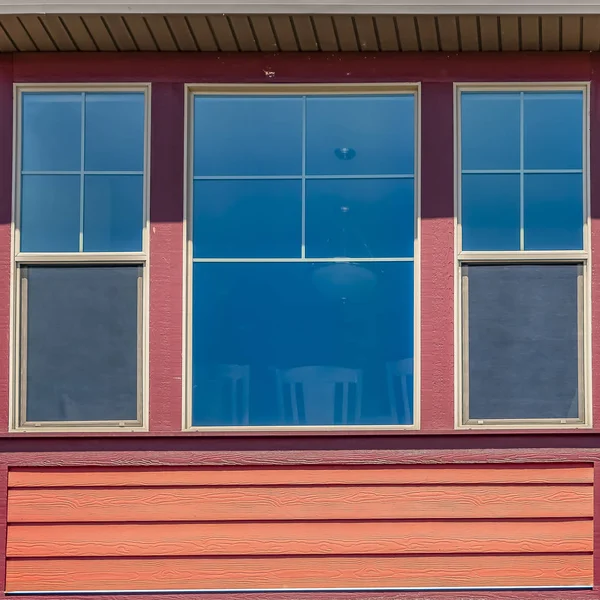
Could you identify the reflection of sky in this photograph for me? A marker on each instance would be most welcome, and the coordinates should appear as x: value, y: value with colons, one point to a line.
x: 337, y: 174
x: 241, y: 136
x: 282, y: 315
x: 533, y: 131
x: 55, y: 152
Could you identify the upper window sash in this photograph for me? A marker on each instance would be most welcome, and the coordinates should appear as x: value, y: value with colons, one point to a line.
x: 276, y: 148
x: 522, y: 184
x: 81, y: 170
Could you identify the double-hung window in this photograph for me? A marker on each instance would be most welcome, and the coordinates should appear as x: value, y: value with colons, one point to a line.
x: 80, y: 256
x: 523, y: 254
x: 302, y: 238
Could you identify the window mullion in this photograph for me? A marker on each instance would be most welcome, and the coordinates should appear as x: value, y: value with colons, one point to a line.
x: 81, y: 172
x: 522, y: 172
x: 303, y: 249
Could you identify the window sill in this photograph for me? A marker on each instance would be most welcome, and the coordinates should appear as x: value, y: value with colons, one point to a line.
x: 302, y: 433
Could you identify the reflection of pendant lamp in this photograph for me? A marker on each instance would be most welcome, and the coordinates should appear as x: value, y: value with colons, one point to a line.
x: 342, y: 280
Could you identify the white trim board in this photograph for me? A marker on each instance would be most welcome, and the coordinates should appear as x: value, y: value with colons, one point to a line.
x: 379, y: 7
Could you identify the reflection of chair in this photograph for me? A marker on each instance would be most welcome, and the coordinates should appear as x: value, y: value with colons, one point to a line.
x: 399, y: 370
x: 231, y: 385
x: 312, y: 393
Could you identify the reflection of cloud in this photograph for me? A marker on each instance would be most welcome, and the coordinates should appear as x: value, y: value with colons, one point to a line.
x: 344, y: 281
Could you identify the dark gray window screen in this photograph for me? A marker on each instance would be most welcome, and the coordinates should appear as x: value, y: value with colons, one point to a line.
x: 523, y: 347
x: 80, y: 343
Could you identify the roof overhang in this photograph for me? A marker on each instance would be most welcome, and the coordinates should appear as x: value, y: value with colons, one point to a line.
x: 299, y: 25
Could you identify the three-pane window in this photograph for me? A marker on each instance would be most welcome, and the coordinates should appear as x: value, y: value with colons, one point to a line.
x: 80, y: 257
x: 523, y: 256
x: 303, y: 249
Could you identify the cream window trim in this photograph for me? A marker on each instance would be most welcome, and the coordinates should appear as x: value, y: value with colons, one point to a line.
x: 17, y: 422
x: 193, y: 90
x: 581, y: 257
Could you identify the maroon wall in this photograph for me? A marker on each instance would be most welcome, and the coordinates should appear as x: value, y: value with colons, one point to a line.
x: 436, y: 442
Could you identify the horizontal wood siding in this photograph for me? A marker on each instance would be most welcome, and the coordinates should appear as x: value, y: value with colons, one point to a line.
x: 102, y: 529
x: 329, y: 475
x: 258, y: 539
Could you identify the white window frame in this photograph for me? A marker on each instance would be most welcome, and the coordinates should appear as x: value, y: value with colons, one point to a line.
x: 582, y: 257
x: 193, y: 90
x: 17, y: 404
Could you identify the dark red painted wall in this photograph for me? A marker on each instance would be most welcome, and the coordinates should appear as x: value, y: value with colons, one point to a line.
x: 169, y: 72
x: 437, y: 442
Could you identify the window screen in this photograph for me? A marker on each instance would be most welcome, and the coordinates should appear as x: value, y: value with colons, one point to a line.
x: 80, y: 343
x: 523, y: 354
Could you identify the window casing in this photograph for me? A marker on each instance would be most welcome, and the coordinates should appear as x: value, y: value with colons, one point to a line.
x: 523, y: 253
x: 271, y: 299
x: 80, y: 257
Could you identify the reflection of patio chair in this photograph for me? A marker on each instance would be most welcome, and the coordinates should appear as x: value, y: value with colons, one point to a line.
x: 399, y: 371
x: 231, y: 386
x: 312, y: 393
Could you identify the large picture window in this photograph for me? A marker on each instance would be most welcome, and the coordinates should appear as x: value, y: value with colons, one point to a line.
x: 302, y: 236
x: 523, y: 256
x: 80, y: 257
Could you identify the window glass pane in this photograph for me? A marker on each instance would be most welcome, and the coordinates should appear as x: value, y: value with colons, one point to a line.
x: 553, y: 130
x: 114, y: 132
x: 302, y: 343
x: 51, y: 134
x: 248, y: 218
x: 553, y: 212
x: 113, y: 213
x: 366, y: 135
x: 81, y: 345
x: 50, y: 213
x: 360, y: 218
x: 247, y: 136
x: 490, y: 212
x: 524, y: 345
x: 490, y: 130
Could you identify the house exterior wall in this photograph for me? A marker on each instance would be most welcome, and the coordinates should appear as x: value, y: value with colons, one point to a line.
x: 166, y: 448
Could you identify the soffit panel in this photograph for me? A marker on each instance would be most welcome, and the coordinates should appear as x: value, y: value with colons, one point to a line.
x: 298, y: 33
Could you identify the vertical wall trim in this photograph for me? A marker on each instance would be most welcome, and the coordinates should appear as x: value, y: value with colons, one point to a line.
x: 6, y: 187
x: 3, y: 524
x: 437, y: 256
x: 596, y: 564
x: 166, y: 255
x: 594, y: 163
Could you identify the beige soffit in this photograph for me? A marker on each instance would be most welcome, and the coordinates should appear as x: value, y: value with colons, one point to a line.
x: 372, y: 7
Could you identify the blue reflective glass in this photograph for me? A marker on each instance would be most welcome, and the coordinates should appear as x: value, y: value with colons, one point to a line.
x: 490, y: 130
x: 302, y: 343
x: 366, y: 135
x: 113, y: 213
x: 490, y: 212
x: 360, y: 218
x: 247, y: 136
x: 114, y: 132
x: 50, y: 213
x: 244, y: 218
x: 553, y: 212
x: 51, y: 132
x: 553, y: 128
